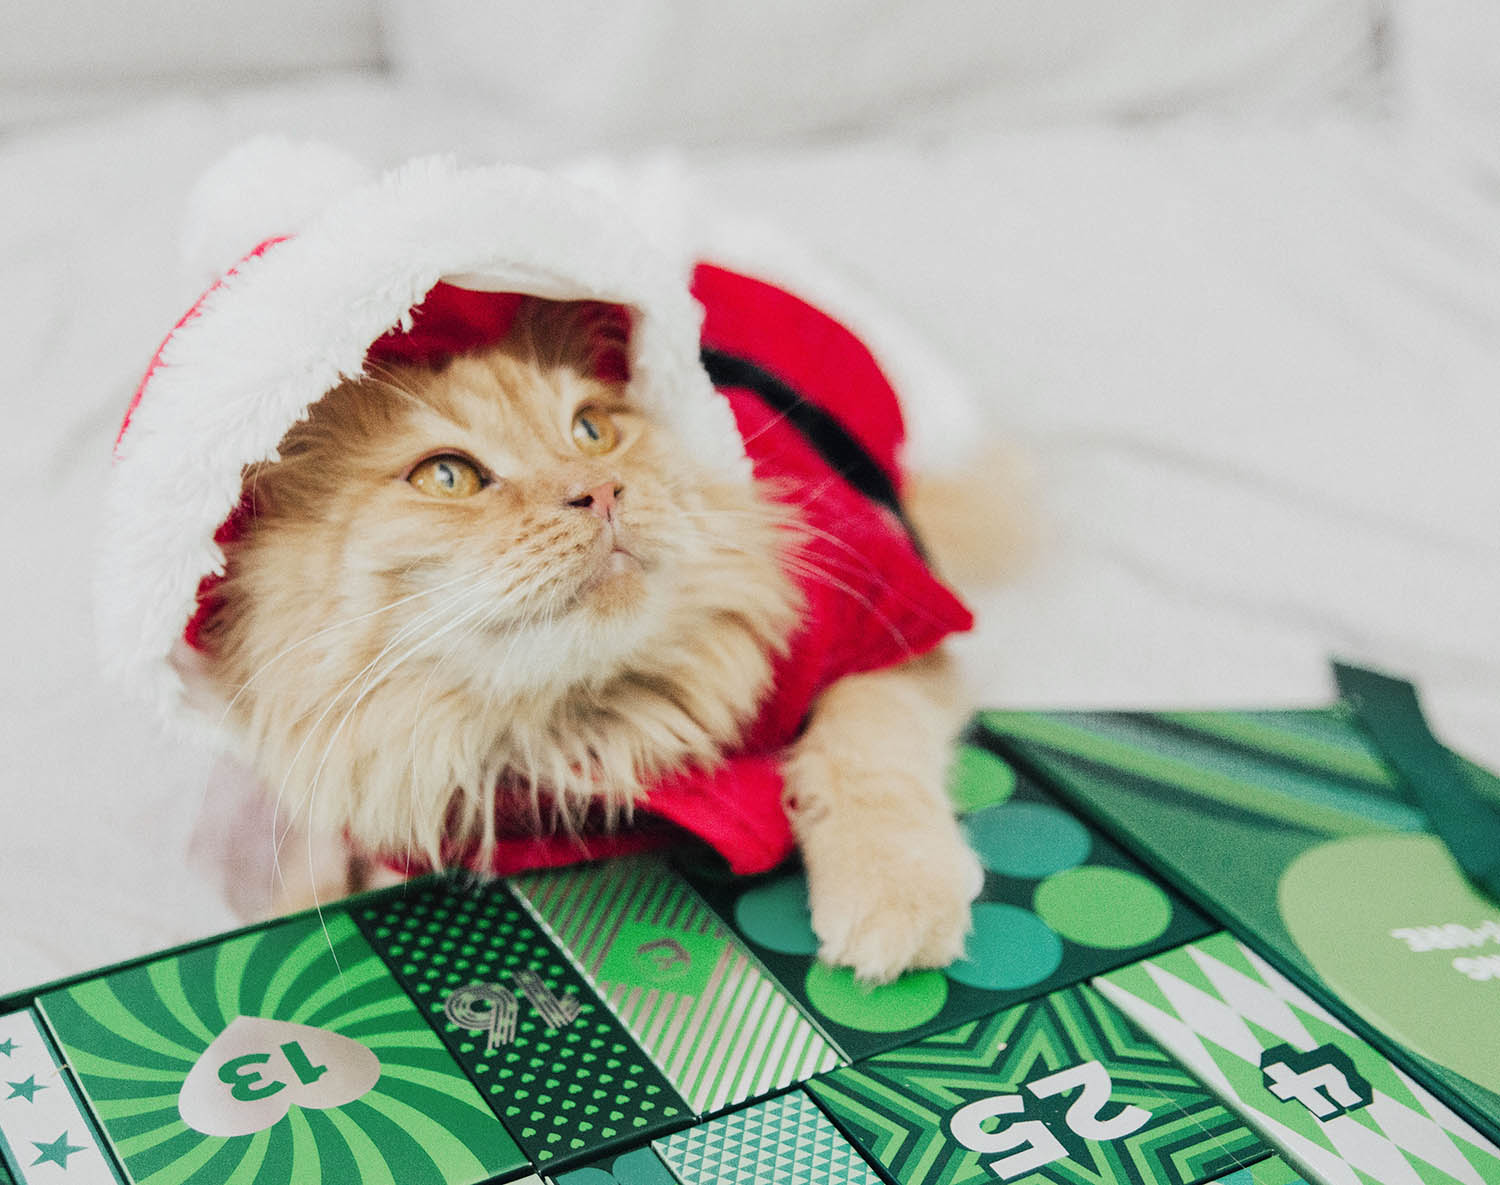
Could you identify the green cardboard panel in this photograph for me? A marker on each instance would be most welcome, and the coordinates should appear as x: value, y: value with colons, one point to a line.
x: 786, y: 1140
x: 1290, y: 828
x: 1061, y: 1089
x: 46, y: 1135
x: 641, y: 1166
x: 285, y: 1055
x: 1060, y: 904
x: 1325, y: 1098
x: 1271, y: 1171
x: 550, y: 1058
x: 717, y: 1025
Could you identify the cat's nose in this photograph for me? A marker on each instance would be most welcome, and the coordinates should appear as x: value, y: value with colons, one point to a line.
x: 600, y: 500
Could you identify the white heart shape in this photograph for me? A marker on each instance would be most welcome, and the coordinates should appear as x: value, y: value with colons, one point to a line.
x: 253, y: 1072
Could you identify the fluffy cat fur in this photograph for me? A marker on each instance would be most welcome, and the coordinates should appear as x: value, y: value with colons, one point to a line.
x: 395, y: 661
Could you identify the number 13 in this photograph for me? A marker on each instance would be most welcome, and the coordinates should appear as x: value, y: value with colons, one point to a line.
x: 248, y: 1085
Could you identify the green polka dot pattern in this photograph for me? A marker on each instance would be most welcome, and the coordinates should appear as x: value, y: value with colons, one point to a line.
x: 566, y: 1093
x: 1060, y: 904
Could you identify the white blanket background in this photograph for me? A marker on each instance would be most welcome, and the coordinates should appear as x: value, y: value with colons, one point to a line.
x: 1252, y: 364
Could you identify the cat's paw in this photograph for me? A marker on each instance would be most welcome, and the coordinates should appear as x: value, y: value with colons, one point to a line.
x: 891, y: 898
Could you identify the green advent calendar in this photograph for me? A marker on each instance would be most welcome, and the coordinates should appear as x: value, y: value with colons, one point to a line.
x: 1243, y: 948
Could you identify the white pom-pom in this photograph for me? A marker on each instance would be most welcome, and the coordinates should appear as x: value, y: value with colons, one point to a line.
x: 268, y: 186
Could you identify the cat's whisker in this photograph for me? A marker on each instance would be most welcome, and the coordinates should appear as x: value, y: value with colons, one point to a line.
x: 489, y: 778
x: 312, y: 871
x: 794, y: 528
x: 401, y: 635
x: 799, y: 560
x: 291, y: 765
x: 779, y: 418
x: 324, y: 632
x: 476, y: 622
x: 372, y: 678
x: 802, y: 563
x: 387, y: 379
x: 815, y: 574
x: 458, y: 621
x: 414, y: 626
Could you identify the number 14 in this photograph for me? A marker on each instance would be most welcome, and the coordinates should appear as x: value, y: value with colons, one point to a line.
x: 1036, y: 1144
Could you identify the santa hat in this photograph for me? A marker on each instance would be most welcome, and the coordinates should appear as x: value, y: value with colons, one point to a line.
x: 330, y: 264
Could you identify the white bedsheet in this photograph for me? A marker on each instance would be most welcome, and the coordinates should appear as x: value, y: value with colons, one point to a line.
x: 1255, y: 372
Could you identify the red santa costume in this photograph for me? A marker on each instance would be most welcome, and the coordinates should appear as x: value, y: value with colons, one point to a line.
x: 430, y: 261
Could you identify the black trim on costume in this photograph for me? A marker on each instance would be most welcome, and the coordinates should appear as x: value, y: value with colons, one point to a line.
x: 820, y: 428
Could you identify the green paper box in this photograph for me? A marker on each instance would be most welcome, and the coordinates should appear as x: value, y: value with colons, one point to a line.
x: 285, y: 1055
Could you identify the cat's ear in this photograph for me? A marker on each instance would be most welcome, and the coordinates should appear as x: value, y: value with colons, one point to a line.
x: 268, y: 186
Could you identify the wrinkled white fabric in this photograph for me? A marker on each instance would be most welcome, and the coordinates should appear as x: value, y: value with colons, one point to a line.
x: 1254, y: 371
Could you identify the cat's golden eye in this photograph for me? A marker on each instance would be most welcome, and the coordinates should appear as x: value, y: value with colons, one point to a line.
x: 448, y: 476
x: 594, y: 432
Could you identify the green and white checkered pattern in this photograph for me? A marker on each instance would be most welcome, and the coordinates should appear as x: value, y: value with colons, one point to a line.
x: 1217, y: 1007
x: 786, y: 1140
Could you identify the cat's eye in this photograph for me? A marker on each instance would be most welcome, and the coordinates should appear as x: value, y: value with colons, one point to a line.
x: 448, y: 476
x: 594, y: 432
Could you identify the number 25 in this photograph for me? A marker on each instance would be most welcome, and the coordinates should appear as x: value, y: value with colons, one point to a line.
x: 1037, y: 1145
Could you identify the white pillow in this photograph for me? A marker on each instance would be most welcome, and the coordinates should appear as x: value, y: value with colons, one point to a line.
x: 1447, y: 58
x: 60, y: 58
x: 598, y: 72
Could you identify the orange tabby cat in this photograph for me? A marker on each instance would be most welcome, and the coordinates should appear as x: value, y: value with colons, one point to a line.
x: 496, y: 579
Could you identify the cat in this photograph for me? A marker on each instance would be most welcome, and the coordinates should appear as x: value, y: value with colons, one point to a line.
x: 493, y: 595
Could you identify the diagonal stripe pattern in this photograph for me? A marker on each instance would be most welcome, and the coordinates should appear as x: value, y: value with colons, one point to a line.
x: 719, y: 1028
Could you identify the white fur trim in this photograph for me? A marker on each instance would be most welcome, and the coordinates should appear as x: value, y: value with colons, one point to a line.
x: 266, y: 187
x: 288, y: 325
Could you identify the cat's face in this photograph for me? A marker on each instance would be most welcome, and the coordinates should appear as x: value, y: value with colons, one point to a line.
x: 447, y: 569
x: 535, y: 520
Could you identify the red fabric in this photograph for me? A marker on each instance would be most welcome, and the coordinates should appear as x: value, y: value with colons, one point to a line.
x: 451, y: 320
x: 808, y: 351
x: 448, y: 321
x: 231, y: 530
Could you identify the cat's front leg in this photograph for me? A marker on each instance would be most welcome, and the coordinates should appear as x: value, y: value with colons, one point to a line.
x: 890, y: 878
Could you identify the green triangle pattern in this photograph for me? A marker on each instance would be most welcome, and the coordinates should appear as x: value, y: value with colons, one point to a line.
x: 786, y: 1140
